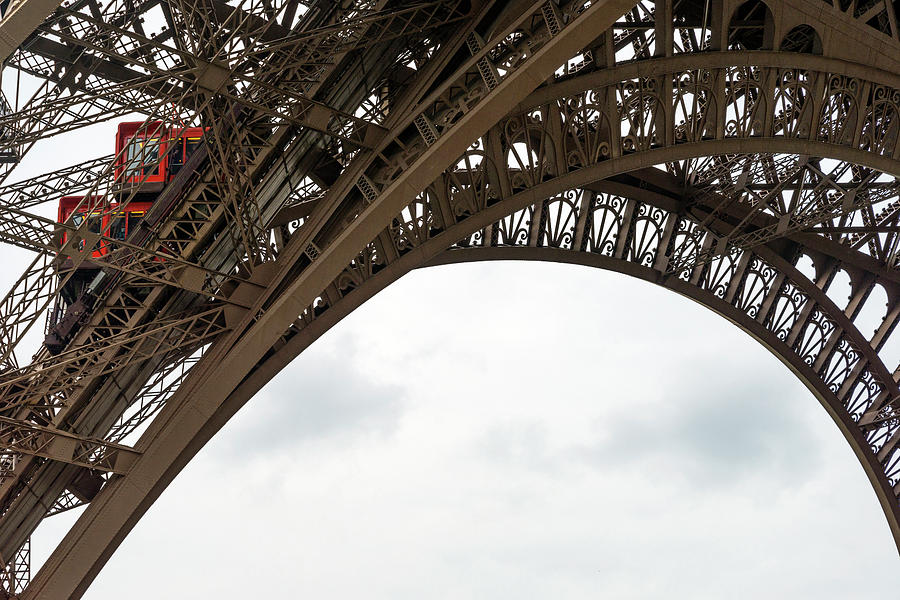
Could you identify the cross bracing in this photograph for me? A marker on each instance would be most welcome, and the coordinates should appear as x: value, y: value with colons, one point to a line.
x: 705, y: 146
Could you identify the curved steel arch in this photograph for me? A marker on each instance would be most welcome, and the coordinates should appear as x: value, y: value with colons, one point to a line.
x: 846, y: 393
x: 838, y: 410
x: 140, y: 493
x: 386, y: 236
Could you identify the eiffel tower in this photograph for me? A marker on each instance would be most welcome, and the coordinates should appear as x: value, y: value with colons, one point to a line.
x: 280, y: 162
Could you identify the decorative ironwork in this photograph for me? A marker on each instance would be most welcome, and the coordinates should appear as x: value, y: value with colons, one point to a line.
x: 347, y: 143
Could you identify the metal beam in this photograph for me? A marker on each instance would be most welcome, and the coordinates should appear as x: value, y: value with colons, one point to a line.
x: 21, y: 437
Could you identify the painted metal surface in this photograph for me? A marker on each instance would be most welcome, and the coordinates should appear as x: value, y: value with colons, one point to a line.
x: 706, y: 147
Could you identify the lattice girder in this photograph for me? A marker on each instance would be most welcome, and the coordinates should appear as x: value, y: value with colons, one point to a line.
x: 124, y: 308
x: 548, y: 62
x: 396, y: 200
x: 820, y: 354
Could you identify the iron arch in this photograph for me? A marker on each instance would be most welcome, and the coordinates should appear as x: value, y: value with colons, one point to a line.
x: 727, y: 294
x: 434, y: 250
x: 462, y: 208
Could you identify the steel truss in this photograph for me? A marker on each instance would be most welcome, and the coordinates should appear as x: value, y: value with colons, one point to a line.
x: 706, y: 147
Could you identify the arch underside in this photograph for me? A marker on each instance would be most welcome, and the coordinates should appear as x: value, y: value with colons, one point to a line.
x: 711, y: 175
x: 687, y: 204
x: 552, y: 183
x: 760, y: 290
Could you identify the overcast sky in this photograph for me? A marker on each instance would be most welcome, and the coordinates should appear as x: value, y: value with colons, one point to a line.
x: 519, y: 430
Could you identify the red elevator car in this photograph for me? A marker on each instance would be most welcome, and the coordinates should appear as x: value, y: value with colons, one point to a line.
x: 150, y: 154
x: 112, y: 221
x: 148, y: 157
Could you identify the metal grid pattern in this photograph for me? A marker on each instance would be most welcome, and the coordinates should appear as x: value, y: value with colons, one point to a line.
x: 704, y: 146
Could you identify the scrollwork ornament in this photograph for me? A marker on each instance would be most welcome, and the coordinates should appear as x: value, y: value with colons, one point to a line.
x: 892, y: 467
x: 862, y: 395
x: 720, y: 272
x: 639, y: 107
x: 743, y: 102
x: 605, y: 222
x: 295, y: 225
x: 838, y: 109
x: 646, y: 231
x: 788, y: 305
x: 514, y: 229
x: 559, y: 217
x: 473, y: 240
x: 467, y: 185
x: 840, y: 364
x: 686, y: 247
x: 755, y: 287
x: 586, y: 136
x: 792, y: 96
x: 811, y: 342
x: 879, y: 435
x: 882, y: 121
x: 693, y: 105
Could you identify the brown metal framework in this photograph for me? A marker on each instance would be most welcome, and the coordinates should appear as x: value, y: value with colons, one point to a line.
x: 707, y: 146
